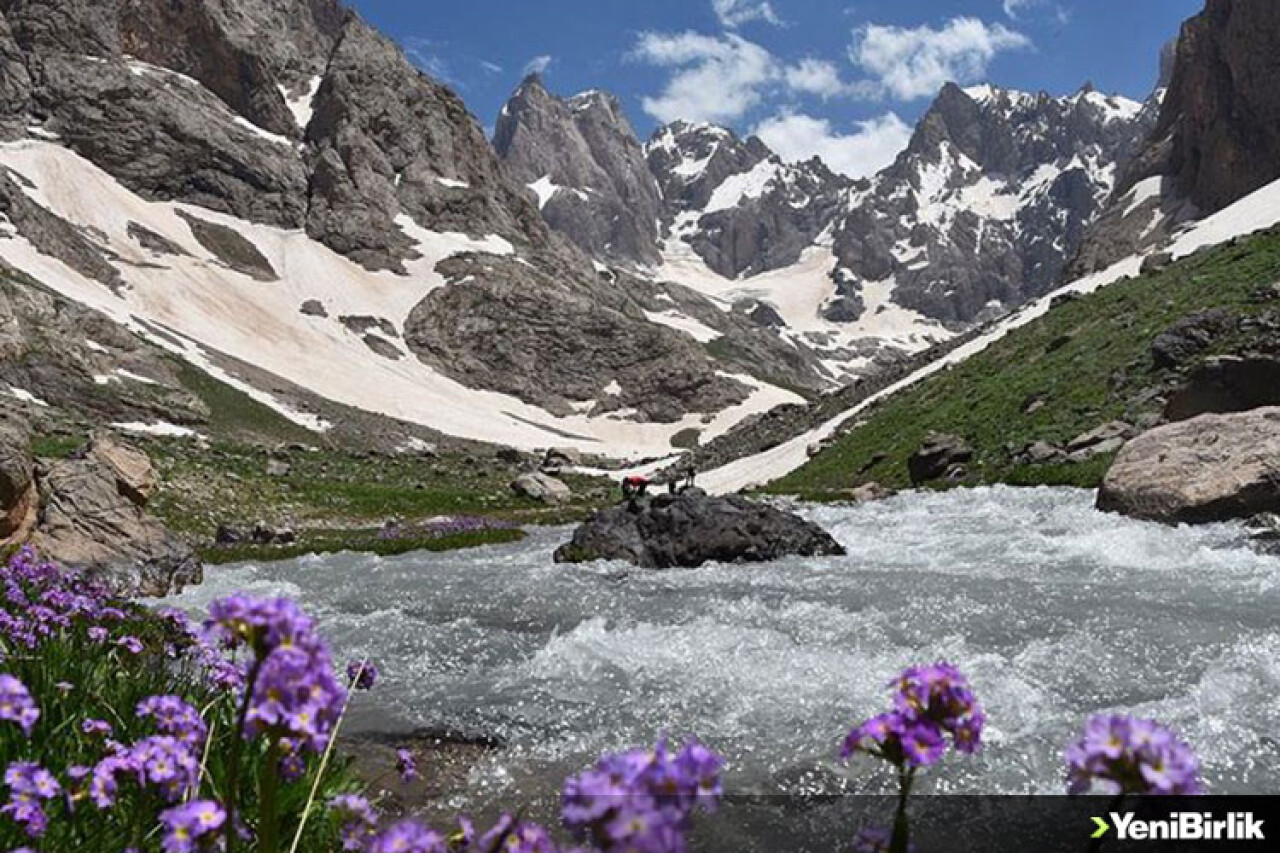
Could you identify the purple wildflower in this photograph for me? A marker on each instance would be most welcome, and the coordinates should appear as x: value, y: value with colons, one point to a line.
x: 16, y: 704
x: 30, y: 785
x: 931, y: 702
x: 191, y: 826
x: 96, y: 727
x: 98, y: 634
x: 362, y: 674
x: 406, y: 765
x: 176, y: 718
x: 1124, y: 755
x: 130, y: 644
x: 295, y: 694
x: 359, y: 822
x: 408, y: 837
x: 642, y: 800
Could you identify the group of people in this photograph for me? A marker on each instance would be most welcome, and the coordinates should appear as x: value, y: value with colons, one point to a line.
x: 636, y: 486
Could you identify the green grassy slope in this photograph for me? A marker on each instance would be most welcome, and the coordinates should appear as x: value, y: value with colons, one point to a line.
x: 1088, y: 360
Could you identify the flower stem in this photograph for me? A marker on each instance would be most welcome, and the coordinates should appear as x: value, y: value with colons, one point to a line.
x: 324, y: 759
x: 268, y: 785
x: 237, y: 744
x: 901, y: 829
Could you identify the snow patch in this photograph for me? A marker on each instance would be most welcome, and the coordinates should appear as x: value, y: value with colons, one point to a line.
x: 27, y: 397
x: 453, y: 184
x: 736, y: 188
x: 680, y: 322
x: 160, y: 429
x: 303, y: 106
x: 1144, y: 191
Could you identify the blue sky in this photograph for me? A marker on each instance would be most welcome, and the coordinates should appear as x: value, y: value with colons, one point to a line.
x: 845, y: 80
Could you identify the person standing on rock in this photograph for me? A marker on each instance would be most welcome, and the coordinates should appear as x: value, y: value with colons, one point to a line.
x: 634, y: 487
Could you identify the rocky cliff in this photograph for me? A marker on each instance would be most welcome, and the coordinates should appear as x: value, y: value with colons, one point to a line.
x: 244, y: 175
x: 1217, y: 138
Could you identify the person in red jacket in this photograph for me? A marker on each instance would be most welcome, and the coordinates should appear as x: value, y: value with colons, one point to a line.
x: 634, y: 486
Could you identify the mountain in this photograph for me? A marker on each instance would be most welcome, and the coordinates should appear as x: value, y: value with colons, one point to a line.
x: 273, y: 192
x: 979, y: 214
x: 989, y: 200
x: 1217, y: 138
x: 581, y: 159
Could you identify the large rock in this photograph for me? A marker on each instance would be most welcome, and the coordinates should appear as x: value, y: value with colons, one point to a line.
x: 1227, y: 384
x: 86, y: 523
x: 688, y: 530
x: 136, y: 478
x: 543, y: 488
x: 1190, y: 336
x: 939, y: 456
x: 17, y: 480
x: 1210, y: 468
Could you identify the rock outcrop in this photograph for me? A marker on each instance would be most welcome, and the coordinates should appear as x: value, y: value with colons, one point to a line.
x: 1210, y: 468
x: 940, y: 456
x: 1227, y: 384
x: 692, y: 529
x: 1217, y: 138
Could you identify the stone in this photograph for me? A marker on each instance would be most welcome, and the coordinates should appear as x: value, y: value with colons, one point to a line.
x: 1042, y: 453
x: 1210, y: 468
x: 868, y: 493
x: 542, y: 488
x: 1105, y: 433
x: 86, y: 523
x: 278, y: 468
x: 136, y: 477
x: 1176, y: 346
x: 691, y: 529
x: 1227, y: 384
x: 17, y: 481
x: 509, y: 456
x: 1155, y: 263
x: 314, y: 308
x: 937, y: 457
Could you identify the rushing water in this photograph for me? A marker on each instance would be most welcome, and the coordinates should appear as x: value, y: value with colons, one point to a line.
x: 1054, y: 610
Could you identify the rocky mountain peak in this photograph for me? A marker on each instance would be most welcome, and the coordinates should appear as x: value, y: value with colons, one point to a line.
x: 582, y: 161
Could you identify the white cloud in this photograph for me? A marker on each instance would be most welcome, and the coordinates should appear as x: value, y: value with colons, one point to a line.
x: 715, y: 79
x: 735, y: 13
x: 720, y: 79
x: 490, y: 67
x: 821, y: 78
x: 915, y: 62
x: 871, y: 147
x: 538, y: 65
x: 1013, y: 7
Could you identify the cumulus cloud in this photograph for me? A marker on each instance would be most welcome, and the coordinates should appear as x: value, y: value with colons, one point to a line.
x: 915, y: 62
x: 735, y: 13
x: 721, y: 78
x: 539, y: 64
x: 714, y: 79
x: 872, y: 146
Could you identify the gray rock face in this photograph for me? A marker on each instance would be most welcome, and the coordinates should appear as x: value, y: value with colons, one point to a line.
x: 692, y: 529
x: 382, y: 139
x: 989, y: 200
x: 1210, y: 468
x: 1216, y: 139
x: 1227, y: 384
x: 17, y: 480
x: 736, y: 204
x: 597, y: 187
x: 86, y: 523
x: 1179, y: 344
x: 551, y: 337
x: 938, y: 457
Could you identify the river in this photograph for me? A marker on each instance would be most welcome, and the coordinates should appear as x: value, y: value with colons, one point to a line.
x: 1054, y: 610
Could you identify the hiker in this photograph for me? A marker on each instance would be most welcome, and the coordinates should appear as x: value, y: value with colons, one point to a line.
x: 634, y: 487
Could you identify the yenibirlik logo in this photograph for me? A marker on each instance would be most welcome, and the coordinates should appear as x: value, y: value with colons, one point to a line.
x: 1183, y: 826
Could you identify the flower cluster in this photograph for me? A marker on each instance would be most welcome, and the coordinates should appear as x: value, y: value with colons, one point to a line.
x: 406, y: 765
x: 1124, y: 755
x: 16, y: 704
x: 192, y: 826
x: 642, y: 800
x: 30, y: 786
x: 931, y: 702
x: 293, y: 694
x: 174, y: 717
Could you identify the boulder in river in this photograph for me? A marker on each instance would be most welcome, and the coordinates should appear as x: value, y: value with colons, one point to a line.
x: 1210, y: 468
x: 693, y: 528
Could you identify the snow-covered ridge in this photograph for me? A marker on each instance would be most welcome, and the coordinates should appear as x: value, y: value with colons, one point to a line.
x: 1257, y: 211
x: 198, y: 308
